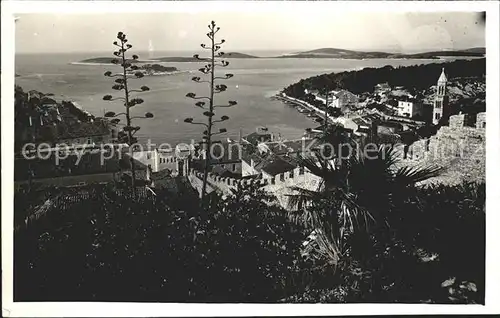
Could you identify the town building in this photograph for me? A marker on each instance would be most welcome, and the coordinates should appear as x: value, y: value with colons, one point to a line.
x: 343, y: 99
x: 382, y: 88
x: 410, y: 108
x: 267, y: 165
x: 261, y: 134
x: 441, y: 105
x: 389, y: 127
x: 170, y: 159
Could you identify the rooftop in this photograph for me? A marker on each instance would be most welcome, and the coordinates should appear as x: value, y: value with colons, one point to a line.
x: 391, y: 124
x: 256, y: 137
x: 360, y: 121
x: 289, y: 146
x: 224, y: 172
x: 274, y: 165
x: 89, y: 163
x: 442, y: 77
x: 223, y: 152
x: 83, y: 129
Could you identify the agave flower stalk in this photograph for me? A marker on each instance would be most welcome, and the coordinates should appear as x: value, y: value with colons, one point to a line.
x: 122, y: 84
x: 209, y: 112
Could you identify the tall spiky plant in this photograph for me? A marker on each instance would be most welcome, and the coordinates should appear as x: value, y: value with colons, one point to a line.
x: 129, y: 71
x: 210, y: 70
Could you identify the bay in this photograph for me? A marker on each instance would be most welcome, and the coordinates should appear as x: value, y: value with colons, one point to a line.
x: 254, y: 82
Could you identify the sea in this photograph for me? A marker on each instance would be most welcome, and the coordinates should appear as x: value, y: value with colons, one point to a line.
x: 255, y: 81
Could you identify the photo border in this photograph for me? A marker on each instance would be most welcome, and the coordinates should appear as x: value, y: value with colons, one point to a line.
x: 100, y: 309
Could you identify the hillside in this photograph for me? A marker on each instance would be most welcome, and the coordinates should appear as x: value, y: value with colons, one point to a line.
x: 41, y: 118
x: 336, y: 53
x: 418, y: 77
x: 481, y: 50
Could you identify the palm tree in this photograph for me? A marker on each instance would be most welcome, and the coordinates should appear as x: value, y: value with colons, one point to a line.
x: 356, y: 193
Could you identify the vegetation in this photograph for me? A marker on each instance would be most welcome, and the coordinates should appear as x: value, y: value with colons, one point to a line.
x: 371, y: 234
x: 210, y: 69
x: 147, y: 250
x: 40, y: 118
x: 240, y: 249
x: 157, y: 68
x: 122, y: 84
x: 417, y: 77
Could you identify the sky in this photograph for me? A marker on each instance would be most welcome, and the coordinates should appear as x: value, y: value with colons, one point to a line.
x: 250, y: 31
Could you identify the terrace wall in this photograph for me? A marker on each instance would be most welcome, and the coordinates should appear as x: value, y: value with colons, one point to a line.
x: 459, y: 148
x: 278, y: 185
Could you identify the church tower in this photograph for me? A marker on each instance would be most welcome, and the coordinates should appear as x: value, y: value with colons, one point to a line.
x: 440, y: 100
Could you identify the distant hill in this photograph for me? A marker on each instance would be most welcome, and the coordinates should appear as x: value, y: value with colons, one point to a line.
x: 481, y: 50
x: 332, y: 53
x: 350, y: 54
x: 474, y: 52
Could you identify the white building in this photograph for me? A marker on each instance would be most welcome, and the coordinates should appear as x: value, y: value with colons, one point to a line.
x: 339, y: 99
x: 410, y: 108
x: 159, y: 159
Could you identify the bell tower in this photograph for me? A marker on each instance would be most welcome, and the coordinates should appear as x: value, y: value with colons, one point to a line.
x: 440, y: 108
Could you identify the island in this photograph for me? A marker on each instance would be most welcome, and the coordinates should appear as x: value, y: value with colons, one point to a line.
x: 234, y: 55
x: 147, y: 69
x: 238, y: 55
x: 102, y: 60
x: 157, y: 69
x: 328, y: 53
x: 334, y: 53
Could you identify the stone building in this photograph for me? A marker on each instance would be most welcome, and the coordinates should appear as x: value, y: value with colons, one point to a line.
x: 410, y: 108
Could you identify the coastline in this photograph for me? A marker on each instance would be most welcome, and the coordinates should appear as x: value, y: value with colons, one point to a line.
x: 284, y: 97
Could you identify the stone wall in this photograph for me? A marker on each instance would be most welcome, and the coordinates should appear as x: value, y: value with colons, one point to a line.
x: 278, y: 185
x: 481, y: 121
x: 68, y: 181
x: 459, y: 148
